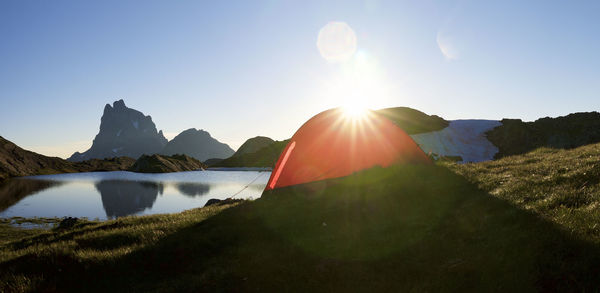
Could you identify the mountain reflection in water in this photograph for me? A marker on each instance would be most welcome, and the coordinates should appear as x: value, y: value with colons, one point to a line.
x: 109, y: 195
x: 123, y: 198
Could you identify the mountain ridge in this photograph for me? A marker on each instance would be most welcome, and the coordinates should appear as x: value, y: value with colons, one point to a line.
x: 198, y: 144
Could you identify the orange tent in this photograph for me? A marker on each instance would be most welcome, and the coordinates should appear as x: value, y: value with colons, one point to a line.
x: 333, y: 144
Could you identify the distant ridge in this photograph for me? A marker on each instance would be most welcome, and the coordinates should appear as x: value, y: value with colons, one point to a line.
x: 197, y: 144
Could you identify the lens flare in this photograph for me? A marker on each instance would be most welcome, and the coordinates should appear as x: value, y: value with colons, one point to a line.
x: 336, y: 42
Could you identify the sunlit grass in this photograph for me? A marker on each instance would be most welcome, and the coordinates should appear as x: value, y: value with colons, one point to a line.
x: 561, y: 185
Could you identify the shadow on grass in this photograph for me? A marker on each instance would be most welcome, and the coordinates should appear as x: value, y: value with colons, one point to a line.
x: 405, y: 228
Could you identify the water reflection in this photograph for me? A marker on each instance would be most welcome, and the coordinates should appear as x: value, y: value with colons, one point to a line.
x: 12, y: 191
x: 123, y: 198
x: 106, y: 195
x: 193, y: 189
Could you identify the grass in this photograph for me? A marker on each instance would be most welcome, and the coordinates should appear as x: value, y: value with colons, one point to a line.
x: 560, y: 185
x: 407, y: 228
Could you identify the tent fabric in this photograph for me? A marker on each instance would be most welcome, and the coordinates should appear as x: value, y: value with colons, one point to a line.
x: 332, y: 144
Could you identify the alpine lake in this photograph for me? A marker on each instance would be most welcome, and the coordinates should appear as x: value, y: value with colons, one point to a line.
x: 110, y: 195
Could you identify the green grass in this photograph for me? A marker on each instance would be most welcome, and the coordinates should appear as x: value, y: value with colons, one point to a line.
x: 563, y: 186
x: 399, y: 229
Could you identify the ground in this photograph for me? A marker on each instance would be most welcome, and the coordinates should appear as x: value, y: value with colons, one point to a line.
x: 445, y: 227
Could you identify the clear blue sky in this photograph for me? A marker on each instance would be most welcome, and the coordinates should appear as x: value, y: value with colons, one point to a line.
x: 244, y: 68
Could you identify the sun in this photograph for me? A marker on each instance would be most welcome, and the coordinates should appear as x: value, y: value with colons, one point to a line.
x: 355, y: 110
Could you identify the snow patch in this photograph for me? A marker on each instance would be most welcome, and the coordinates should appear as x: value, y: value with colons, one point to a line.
x: 136, y: 124
x: 464, y: 138
x: 117, y: 149
x: 119, y: 132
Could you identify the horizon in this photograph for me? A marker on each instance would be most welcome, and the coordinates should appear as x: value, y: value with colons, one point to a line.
x: 251, y: 64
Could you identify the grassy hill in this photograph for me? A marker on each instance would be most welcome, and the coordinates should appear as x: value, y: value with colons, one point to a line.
x: 414, y: 121
x: 522, y: 223
x: 253, y: 145
x: 264, y: 157
x: 562, y: 186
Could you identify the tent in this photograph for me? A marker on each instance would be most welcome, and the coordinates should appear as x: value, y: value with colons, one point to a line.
x: 333, y: 144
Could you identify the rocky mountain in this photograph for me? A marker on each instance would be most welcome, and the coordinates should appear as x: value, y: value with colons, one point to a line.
x: 517, y: 137
x: 198, y: 144
x: 123, y: 132
x: 252, y: 145
x: 164, y: 164
x: 16, y: 162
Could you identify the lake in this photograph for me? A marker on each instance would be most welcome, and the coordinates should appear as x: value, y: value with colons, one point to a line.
x: 109, y: 195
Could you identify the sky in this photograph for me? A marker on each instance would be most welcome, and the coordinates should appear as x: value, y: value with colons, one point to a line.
x: 240, y: 69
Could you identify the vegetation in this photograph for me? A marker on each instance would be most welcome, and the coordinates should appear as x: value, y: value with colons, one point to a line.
x: 253, y: 145
x: 563, y: 186
x: 515, y: 137
x: 414, y: 121
x: 523, y: 223
x: 264, y: 157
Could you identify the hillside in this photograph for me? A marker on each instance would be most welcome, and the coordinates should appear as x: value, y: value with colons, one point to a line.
x: 509, y: 226
x: 253, y: 145
x: 264, y: 157
x: 563, y: 186
x: 166, y: 164
x: 16, y: 162
x: 517, y: 137
x: 414, y: 121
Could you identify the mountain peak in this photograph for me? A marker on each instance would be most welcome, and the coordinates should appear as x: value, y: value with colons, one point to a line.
x: 123, y: 132
x: 120, y: 104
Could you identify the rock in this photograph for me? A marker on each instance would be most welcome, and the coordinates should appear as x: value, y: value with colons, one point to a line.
x: 197, y: 144
x: 220, y: 202
x: 165, y: 164
x: 123, y: 132
x: 517, y: 137
x: 67, y: 222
